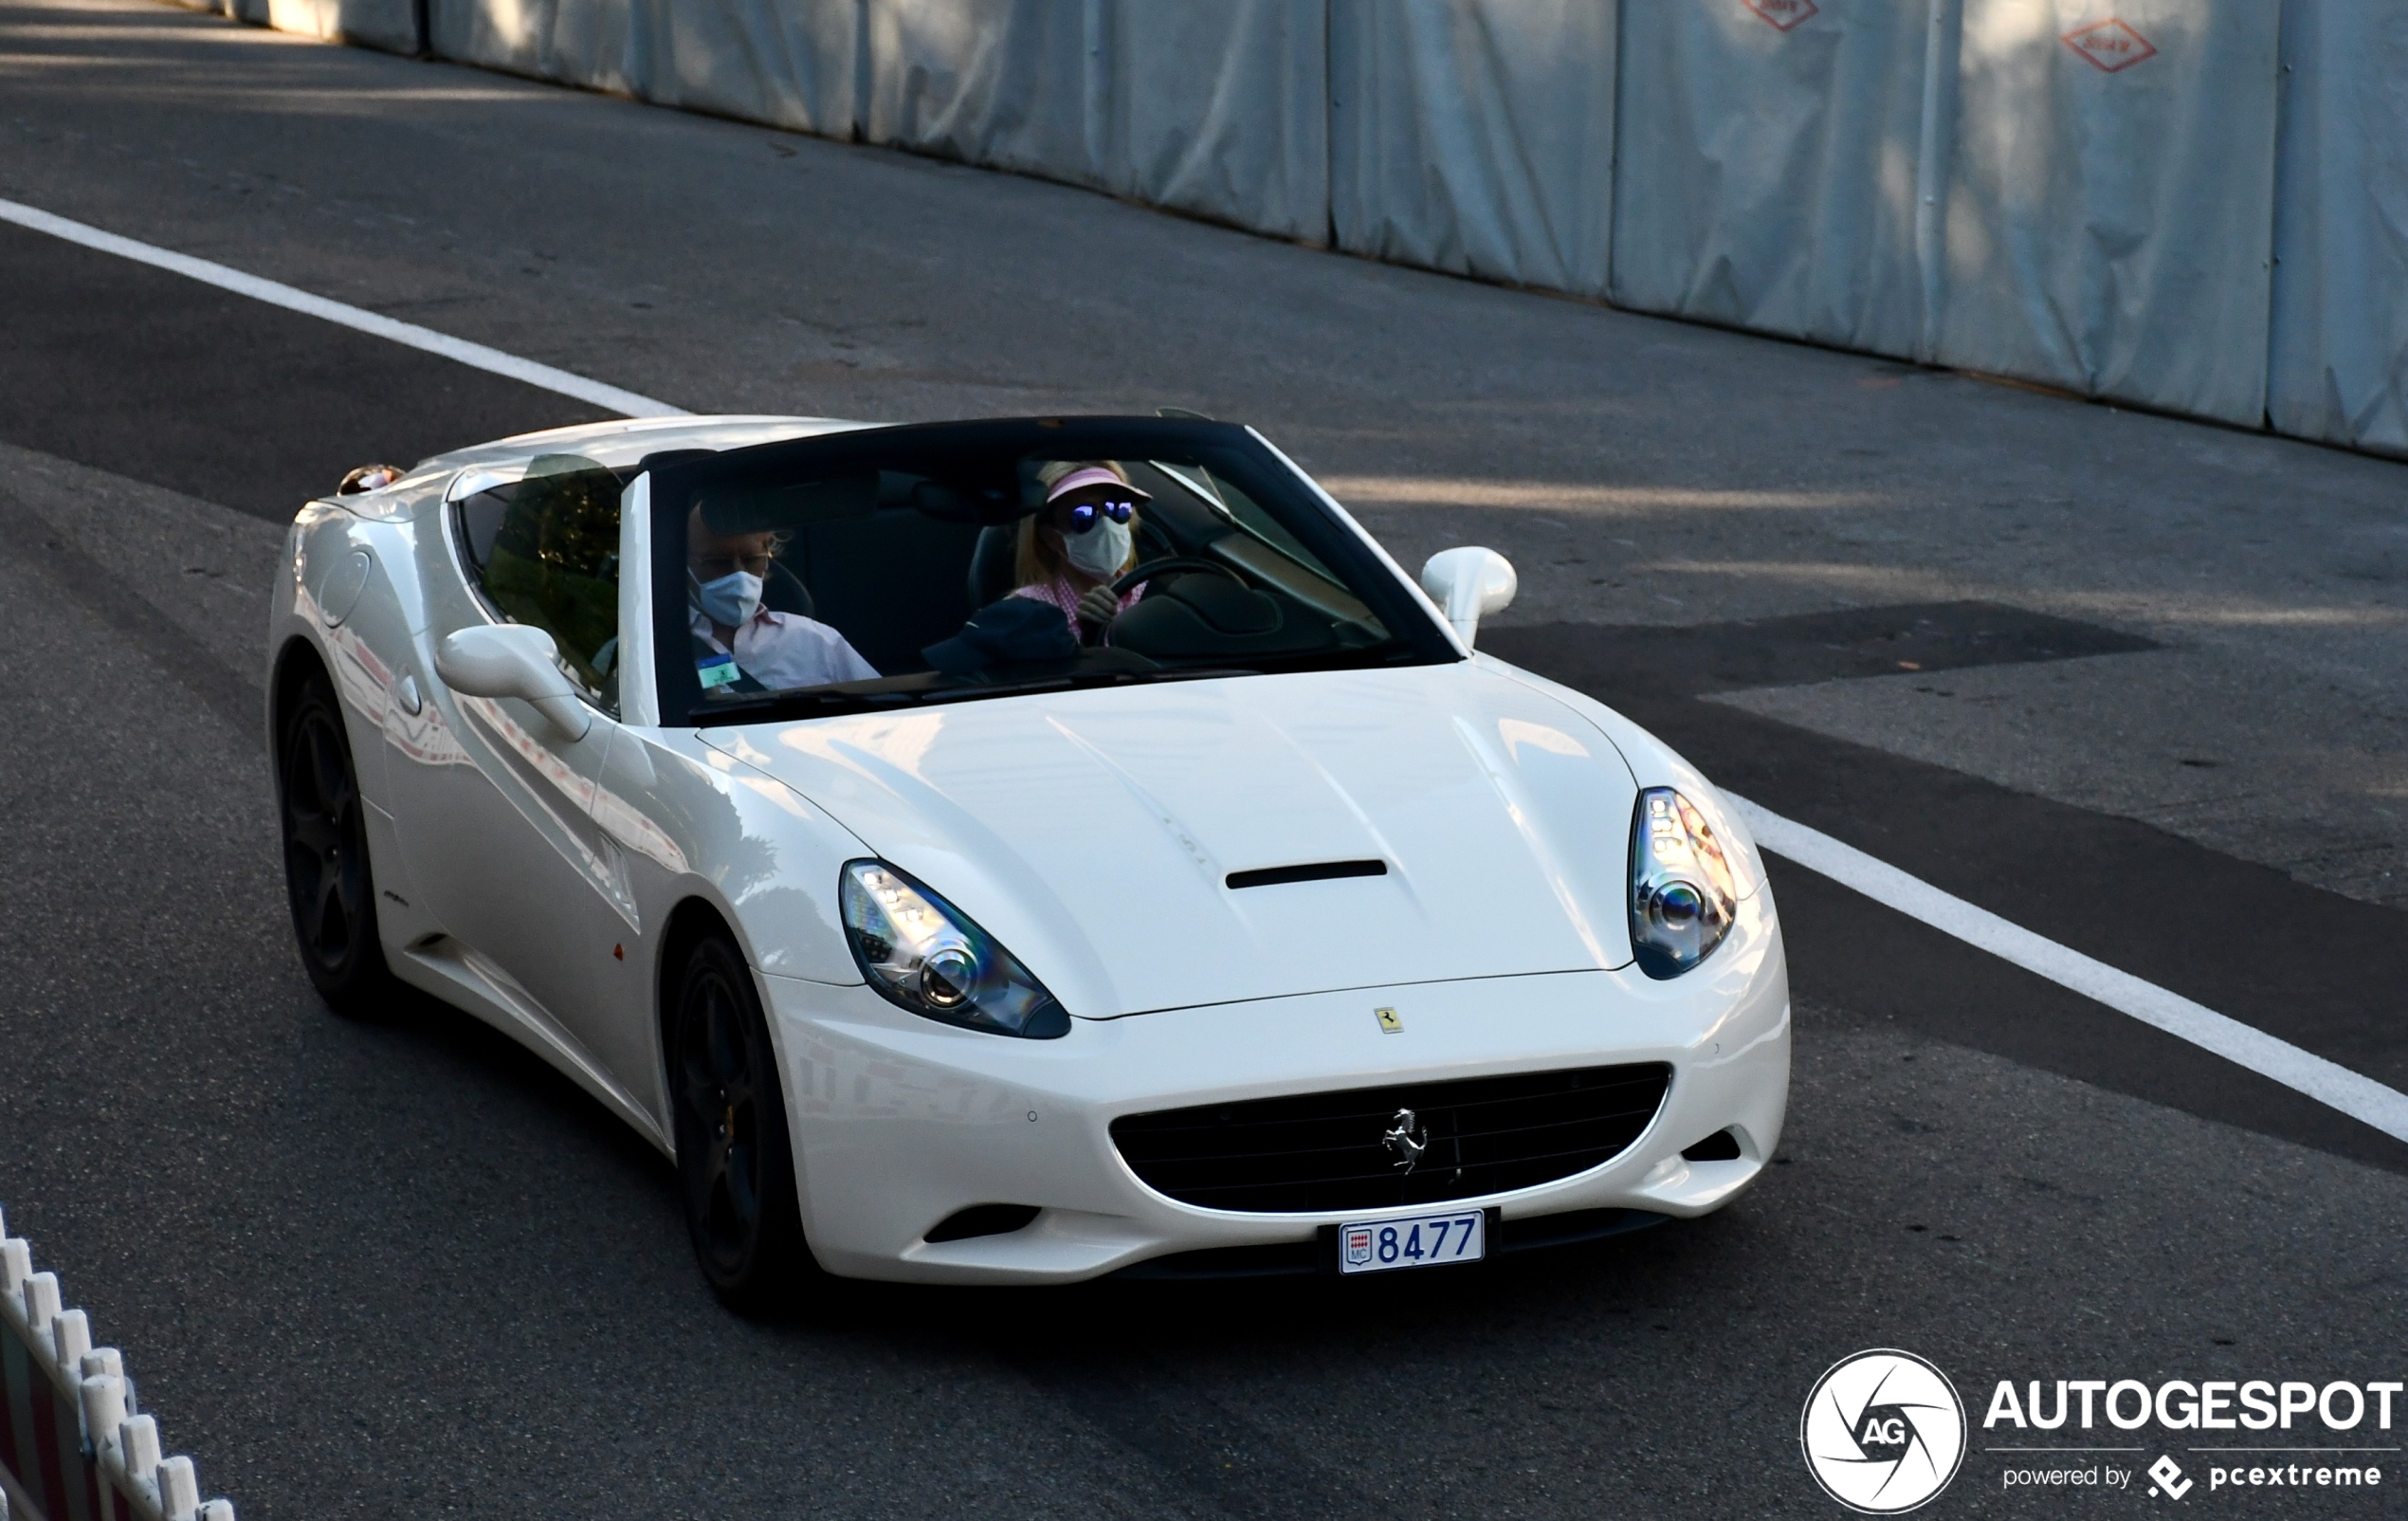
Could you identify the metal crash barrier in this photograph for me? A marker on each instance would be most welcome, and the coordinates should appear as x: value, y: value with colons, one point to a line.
x: 73, y: 1445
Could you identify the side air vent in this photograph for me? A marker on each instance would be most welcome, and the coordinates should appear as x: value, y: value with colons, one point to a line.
x: 1272, y: 876
x: 1723, y: 1145
x: 982, y: 1219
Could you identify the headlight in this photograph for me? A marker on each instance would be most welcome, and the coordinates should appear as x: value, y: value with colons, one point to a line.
x: 925, y: 954
x: 1683, y: 892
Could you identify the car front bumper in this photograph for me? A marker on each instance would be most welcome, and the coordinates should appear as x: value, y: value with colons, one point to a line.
x: 899, y: 1122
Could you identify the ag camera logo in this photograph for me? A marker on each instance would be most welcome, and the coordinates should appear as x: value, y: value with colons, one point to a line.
x: 1884, y: 1432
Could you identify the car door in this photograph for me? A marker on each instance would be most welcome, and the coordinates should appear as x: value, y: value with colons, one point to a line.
x: 495, y: 803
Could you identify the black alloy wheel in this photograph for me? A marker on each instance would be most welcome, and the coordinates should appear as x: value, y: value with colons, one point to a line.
x: 327, y: 881
x: 732, y: 1154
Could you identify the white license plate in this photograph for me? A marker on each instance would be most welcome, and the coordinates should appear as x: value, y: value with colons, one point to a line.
x: 1413, y: 1241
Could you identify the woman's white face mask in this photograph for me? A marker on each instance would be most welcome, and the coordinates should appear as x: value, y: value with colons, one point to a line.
x: 731, y: 600
x: 1100, y: 551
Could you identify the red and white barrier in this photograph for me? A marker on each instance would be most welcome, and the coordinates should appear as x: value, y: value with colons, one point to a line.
x: 73, y: 1443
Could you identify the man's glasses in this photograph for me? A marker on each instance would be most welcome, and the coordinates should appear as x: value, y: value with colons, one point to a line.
x: 711, y: 567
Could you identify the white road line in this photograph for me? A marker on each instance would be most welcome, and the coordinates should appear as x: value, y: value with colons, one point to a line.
x: 476, y: 355
x: 2362, y: 1098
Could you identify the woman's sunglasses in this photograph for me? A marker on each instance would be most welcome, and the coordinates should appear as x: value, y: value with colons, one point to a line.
x: 1084, y: 514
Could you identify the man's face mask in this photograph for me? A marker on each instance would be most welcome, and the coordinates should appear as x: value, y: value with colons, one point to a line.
x: 731, y: 600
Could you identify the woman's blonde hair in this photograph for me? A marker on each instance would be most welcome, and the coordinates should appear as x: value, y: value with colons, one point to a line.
x: 1037, y: 562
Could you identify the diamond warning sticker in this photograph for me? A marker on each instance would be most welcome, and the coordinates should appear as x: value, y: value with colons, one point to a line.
x: 2110, y: 45
x: 1783, y: 13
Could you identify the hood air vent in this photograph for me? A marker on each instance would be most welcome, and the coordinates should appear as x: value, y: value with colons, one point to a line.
x: 1272, y: 876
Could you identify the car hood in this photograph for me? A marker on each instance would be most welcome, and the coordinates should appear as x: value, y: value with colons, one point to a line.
x: 1094, y: 831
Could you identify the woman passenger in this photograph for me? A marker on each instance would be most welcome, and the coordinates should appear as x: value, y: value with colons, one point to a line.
x: 1069, y: 551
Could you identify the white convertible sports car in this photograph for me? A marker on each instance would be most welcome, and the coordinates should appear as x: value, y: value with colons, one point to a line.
x: 1015, y: 852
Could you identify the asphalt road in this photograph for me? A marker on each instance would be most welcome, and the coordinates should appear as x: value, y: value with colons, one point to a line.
x: 404, y: 1269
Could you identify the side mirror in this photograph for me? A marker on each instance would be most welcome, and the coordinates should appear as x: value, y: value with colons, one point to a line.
x: 513, y: 660
x: 1468, y: 584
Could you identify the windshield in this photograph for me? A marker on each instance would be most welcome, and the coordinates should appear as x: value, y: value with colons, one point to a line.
x: 900, y: 567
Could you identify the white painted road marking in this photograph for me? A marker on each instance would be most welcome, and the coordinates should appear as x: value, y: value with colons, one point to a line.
x: 2330, y: 1083
x: 2362, y: 1098
x: 476, y: 355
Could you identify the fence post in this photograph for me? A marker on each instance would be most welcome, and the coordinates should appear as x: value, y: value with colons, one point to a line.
x: 179, y: 1491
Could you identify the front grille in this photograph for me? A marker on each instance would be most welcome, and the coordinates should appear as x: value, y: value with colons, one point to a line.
x: 1327, y: 1151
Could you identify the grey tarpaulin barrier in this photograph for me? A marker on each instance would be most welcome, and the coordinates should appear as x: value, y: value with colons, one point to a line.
x: 788, y: 63
x: 1770, y: 161
x: 2340, y: 350
x: 390, y: 25
x: 1476, y: 136
x: 1014, y: 83
x: 1216, y: 107
x: 1227, y: 110
x: 2109, y: 220
x: 2075, y: 191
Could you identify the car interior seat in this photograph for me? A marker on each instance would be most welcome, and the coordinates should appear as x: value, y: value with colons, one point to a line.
x: 782, y: 591
x: 850, y: 564
x: 990, y: 563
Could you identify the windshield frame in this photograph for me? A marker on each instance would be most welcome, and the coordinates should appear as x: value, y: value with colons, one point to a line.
x: 1416, y: 635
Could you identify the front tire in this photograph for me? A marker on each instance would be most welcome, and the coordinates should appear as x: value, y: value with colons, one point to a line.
x: 328, y: 884
x: 734, y: 1157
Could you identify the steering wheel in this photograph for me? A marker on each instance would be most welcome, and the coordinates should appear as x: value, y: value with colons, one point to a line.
x: 1135, y: 574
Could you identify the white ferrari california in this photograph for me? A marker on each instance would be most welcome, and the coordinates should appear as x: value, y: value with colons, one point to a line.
x: 1015, y: 852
